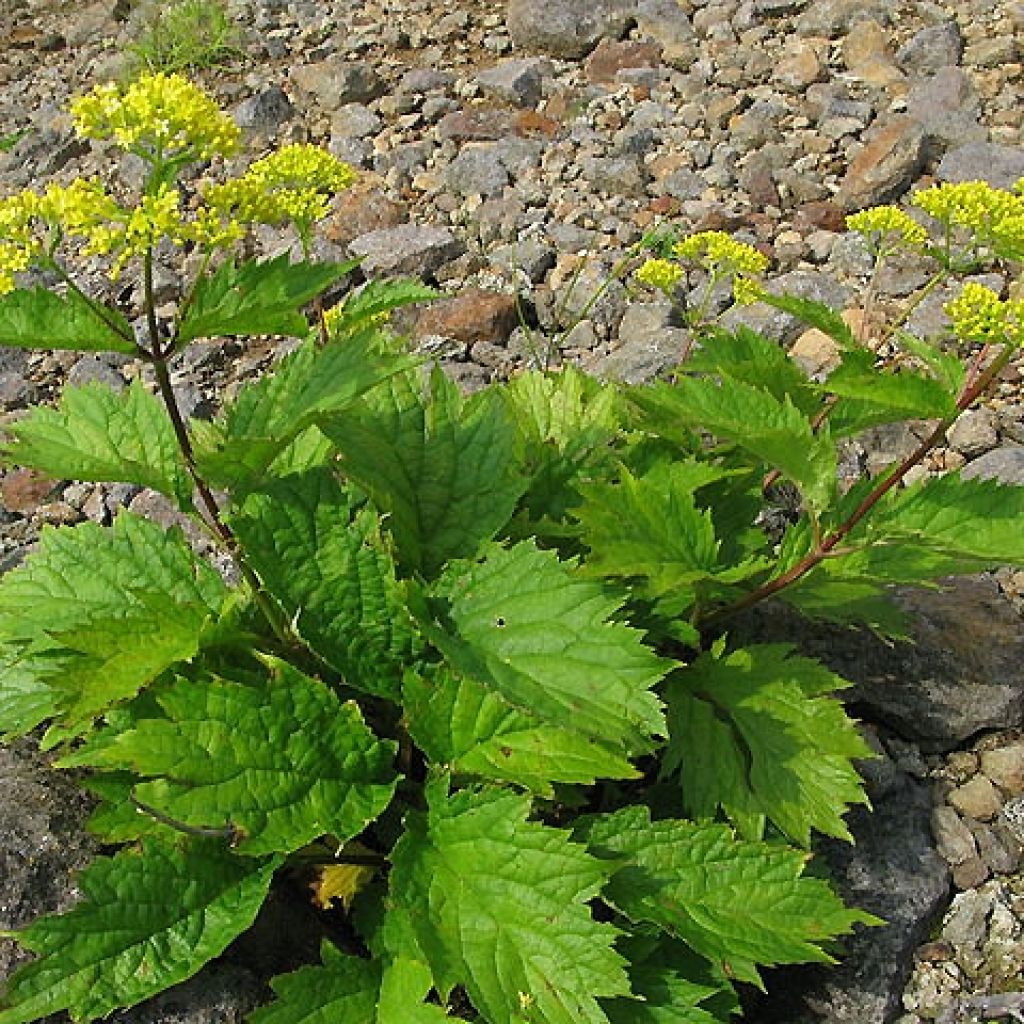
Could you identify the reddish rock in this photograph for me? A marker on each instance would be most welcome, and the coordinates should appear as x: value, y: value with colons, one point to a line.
x: 472, y: 316
x: 530, y: 123
x: 611, y: 57
x: 24, y: 490
x: 362, y: 210
x: 820, y: 214
x: 884, y: 169
x: 475, y: 125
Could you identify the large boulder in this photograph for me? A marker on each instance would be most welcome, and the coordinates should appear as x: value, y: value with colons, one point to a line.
x: 567, y: 28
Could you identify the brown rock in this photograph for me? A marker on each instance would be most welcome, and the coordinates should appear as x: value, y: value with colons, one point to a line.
x: 475, y: 125
x: 359, y: 211
x: 977, y: 799
x: 1005, y: 767
x: 24, y: 490
x: 800, y: 66
x: 611, y: 57
x: 529, y: 123
x: 885, y: 167
x: 820, y: 214
x: 472, y: 316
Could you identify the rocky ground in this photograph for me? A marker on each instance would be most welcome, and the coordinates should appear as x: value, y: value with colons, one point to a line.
x: 518, y: 149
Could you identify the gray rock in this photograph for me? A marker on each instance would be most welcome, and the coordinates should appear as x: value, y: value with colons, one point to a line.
x: 415, y: 249
x: 615, y: 175
x: 1004, y: 464
x: 531, y: 257
x: 96, y: 369
x: 334, y: 82
x: 974, y: 433
x: 1000, y: 166
x: 932, y: 48
x: 893, y: 871
x: 667, y: 23
x: 421, y: 80
x: 648, y: 344
x: 477, y: 170
x: 43, y: 842
x: 354, y: 121
x: 566, y: 28
x: 16, y: 388
x: 948, y: 108
x: 833, y: 18
x: 953, y: 839
x: 515, y: 81
x: 222, y: 993
x: 264, y: 112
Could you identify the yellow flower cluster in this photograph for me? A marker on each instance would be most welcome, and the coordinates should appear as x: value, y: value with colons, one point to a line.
x: 719, y: 252
x: 157, y: 116
x: 18, y: 244
x: 975, y: 205
x: 661, y: 274
x: 978, y: 314
x: 295, y: 184
x: 132, y: 232
x: 887, y: 222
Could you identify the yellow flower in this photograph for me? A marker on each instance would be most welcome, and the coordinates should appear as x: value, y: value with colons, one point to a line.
x: 77, y: 208
x: 978, y: 314
x: 746, y: 291
x: 132, y: 232
x: 879, y: 222
x: 157, y: 116
x: 212, y: 230
x: 295, y: 184
x: 14, y: 258
x: 660, y: 274
x: 975, y: 205
x: 20, y: 244
x: 719, y: 253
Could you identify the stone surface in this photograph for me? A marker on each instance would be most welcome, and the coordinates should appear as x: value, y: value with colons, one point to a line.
x: 978, y: 799
x: 265, y: 112
x: 566, y: 28
x: 514, y: 81
x: 886, y: 165
x: 647, y: 345
x: 1003, y: 464
x: 893, y: 871
x: 22, y: 490
x: 1000, y: 166
x: 406, y: 249
x: 1005, y: 767
x: 471, y: 316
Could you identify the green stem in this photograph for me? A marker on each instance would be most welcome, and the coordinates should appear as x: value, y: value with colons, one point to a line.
x: 827, y: 544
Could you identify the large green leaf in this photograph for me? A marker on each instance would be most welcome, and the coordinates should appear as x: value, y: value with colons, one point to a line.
x: 754, y: 733
x: 148, y: 920
x: 98, y: 434
x: 671, y: 985
x: 739, y: 904
x: 373, y: 302
x: 774, y: 431
x: 441, y: 469
x: 565, y: 423
x: 38, y: 318
x: 522, y: 624
x: 322, y: 557
x: 347, y: 990
x: 457, y: 721
x: 238, y: 448
x: 257, y: 298
x: 281, y: 763
x: 94, y: 614
x: 650, y: 531
x: 818, y: 314
x: 499, y: 906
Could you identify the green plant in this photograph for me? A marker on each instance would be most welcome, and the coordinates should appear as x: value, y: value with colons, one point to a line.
x: 8, y: 142
x: 475, y: 682
x: 185, y: 35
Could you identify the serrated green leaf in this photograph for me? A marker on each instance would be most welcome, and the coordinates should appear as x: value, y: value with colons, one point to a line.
x: 817, y: 314
x: 671, y: 985
x: 281, y: 764
x: 117, y: 819
x: 98, y: 434
x: 820, y: 595
x: 94, y: 614
x: 458, y: 722
x: 38, y: 318
x: 237, y: 449
x: 906, y: 394
x: 971, y: 523
x: 441, y: 469
x: 499, y: 906
x: 353, y: 991
x: 375, y: 300
x: 775, y: 432
x: 148, y: 920
x: 322, y: 557
x: 739, y: 904
x: 522, y: 624
x: 650, y: 531
x: 26, y: 698
x: 257, y: 298
x: 752, y: 732
x: 749, y: 357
